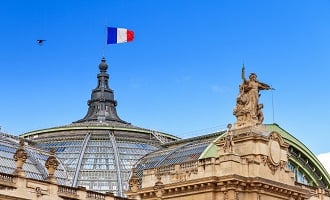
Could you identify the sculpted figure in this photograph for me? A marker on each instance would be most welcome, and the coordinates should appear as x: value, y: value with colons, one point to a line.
x: 247, y: 109
x: 260, y: 115
x: 240, y: 110
x: 252, y: 88
x: 229, y: 143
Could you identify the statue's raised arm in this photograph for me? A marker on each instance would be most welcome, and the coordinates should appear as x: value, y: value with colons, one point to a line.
x: 243, y: 73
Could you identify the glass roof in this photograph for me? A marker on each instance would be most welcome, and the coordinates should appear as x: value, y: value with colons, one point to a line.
x: 99, y: 160
x: 183, y: 151
x: 34, y: 166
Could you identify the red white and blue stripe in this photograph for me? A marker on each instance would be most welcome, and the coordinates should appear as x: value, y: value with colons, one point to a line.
x: 119, y: 35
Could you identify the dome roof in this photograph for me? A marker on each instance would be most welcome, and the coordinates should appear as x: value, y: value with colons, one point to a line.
x: 99, y: 150
x: 34, y: 166
x: 99, y: 156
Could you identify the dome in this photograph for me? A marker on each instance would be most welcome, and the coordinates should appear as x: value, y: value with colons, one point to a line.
x: 99, y: 150
x: 34, y: 166
x: 99, y: 156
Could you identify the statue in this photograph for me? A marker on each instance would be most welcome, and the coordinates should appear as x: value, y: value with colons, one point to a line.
x: 247, y: 110
x: 260, y: 115
x: 229, y: 143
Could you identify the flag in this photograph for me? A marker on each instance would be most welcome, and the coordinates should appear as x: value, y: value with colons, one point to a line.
x: 119, y: 35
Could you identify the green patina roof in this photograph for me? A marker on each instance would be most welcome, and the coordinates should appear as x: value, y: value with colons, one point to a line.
x: 211, y: 150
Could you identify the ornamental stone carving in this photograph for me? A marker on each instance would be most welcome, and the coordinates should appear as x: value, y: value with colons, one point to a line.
x: 134, y: 182
x: 20, y: 157
x: 51, y: 164
x: 274, y: 159
x: 159, y: 187
x: 274, y: 152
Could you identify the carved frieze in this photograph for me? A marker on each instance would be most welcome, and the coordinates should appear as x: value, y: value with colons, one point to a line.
x: 183, y: 175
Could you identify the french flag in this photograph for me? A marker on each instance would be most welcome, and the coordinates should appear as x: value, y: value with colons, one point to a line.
x: 119, y: 35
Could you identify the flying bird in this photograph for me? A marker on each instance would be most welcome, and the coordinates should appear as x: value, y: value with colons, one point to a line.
x: 40, y: 42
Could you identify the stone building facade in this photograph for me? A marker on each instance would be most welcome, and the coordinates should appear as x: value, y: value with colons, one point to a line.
x: 256, y: 168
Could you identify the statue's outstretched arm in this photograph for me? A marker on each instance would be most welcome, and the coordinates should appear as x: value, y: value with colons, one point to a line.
x: 264, y: 86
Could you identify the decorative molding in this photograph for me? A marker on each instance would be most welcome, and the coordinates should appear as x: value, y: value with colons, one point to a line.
x: 3, y: 187
x: 273, y: 159
x: 159, y: 187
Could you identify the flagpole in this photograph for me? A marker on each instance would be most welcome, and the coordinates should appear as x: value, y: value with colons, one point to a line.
x: 105, y: 40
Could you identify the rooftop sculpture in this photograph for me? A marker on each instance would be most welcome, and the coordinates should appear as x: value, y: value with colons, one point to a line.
x: 248, y: 111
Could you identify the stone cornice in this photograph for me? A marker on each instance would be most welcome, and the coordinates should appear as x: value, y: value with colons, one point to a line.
x: 225, y: 183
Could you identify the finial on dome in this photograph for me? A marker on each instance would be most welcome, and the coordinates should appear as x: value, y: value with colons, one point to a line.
x: 102, y: 105
x: 103, y: 65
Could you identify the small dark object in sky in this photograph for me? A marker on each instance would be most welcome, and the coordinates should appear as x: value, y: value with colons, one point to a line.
x: 40, y: 42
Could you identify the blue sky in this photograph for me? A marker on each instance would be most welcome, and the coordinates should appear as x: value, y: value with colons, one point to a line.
x: 181, y: 73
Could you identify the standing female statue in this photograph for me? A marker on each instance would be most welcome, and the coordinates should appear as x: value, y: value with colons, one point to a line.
x: 246, y: 109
